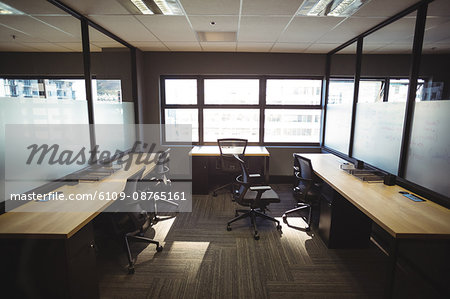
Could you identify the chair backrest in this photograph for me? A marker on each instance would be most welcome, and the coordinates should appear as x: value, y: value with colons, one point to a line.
x: 134, y: 210
x: 232, y: 146
x: 243, y: 180
x: 304, y: 175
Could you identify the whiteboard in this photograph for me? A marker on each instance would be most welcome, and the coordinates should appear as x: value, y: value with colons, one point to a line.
x: 428, y: 160
x: 378, y: 134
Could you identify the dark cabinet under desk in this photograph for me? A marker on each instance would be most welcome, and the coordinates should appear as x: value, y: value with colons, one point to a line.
x: 341, y: 224
x: 50, y: 268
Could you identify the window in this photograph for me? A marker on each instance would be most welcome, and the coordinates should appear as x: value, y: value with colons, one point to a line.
x: 371, y: 91
x: 398, y: 90
x: 294, y: 92
x: 232, y: 91
x: 233, y: 107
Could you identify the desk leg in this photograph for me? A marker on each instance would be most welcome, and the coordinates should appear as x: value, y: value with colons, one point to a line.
x: 390, y: 275
x: 266, y: 169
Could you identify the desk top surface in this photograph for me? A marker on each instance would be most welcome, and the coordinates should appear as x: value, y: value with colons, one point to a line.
x: 47, y: 224
x: 398, y: 215
x: 213, y: 150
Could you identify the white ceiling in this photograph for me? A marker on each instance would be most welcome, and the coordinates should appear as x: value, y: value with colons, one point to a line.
x: 261, y: 26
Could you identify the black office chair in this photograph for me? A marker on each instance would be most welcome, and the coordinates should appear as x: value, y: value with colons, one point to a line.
x: 228, y: 148
x: 158, y: 182
x: 252, y: 195
x: 306, y: 188
x: 135, y: 221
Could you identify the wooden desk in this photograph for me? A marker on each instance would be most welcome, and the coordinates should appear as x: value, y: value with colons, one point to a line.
x: 205, y: 165
x: 46, y: 253
x: 403, y: 219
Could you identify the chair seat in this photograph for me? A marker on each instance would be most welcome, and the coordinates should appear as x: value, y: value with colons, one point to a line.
x: 268, y: 196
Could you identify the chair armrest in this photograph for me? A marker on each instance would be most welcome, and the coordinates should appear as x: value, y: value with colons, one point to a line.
x: 260, y: 188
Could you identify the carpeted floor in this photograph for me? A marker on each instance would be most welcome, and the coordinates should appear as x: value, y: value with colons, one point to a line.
x: 201, y: 259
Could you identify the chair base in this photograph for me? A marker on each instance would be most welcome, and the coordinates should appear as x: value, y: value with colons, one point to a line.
x: 128, y: 237
x: 252, y: 213
x: 155, y: 218
x: 300, y: 206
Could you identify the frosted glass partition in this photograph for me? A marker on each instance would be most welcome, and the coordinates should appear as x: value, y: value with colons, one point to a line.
x: 120, y: 135
x: 337, y: 128
x: 428, y: 161
x: 378, y: 134
x: 37, y: 112
x: 339, y: 114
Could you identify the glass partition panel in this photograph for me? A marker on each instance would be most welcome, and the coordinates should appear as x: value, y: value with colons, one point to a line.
x: 428, y: 160
x: 379, y: 123
x: 112, y: 93
x: 340, y: 99
x: 42, y: 39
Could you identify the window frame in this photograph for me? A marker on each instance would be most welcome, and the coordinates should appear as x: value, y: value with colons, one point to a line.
x: 261, y: 106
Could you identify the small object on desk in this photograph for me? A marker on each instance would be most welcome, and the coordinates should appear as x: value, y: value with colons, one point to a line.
x: 412, y: 197
x: 389, y: 179
x: 347, y: 165
x: 403, y: 192
x: 359, y: 164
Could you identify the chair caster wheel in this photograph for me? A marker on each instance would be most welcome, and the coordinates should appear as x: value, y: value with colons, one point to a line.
x: 279, y: 227
x: 159, y: 248
x: 256, y: 237
x: 228, y: 228
x: 236, y: 214
x: 214, y: 194
x: 130, y: 270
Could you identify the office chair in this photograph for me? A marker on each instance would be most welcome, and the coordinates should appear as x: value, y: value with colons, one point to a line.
x: 158, y: 182
x: 133, y: 224
x: 254, y: 196
x: 306, y: 188
x: 228, y: 148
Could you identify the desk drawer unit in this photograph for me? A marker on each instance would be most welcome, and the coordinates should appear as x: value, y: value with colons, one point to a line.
x: 50, y: 268
x: 341, y: 224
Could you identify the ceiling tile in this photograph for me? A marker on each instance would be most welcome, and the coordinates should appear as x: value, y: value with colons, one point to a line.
x: 183, y: 46
x: 438, y: 48
x: 394, y: 49
x: 169, y: 28
x: 211, y: 7
x: 35, y: 7
x: 66, y: 23
x: 254, y: 47
x: 7, y: 33
x: 75, y: 47
x: 262, y: 29
x: 36, y: 28
x: 100, y: 7
x: 219, y: 47
x: 325, y: 48
x: 290, y: 47
x: 439, y: 8
x: 270, y: 7
x: 15, y: 47
x: 125, y: 27
x: 402, y: 28
x: 308, y: 29
x: 97, y: 36
x: 150, y: 46
x: 437, y: 33
x: 348, y: 29
x: 47, y: 47
x: 383, y: 8
x: 202, y: 23
x: 111, y: 44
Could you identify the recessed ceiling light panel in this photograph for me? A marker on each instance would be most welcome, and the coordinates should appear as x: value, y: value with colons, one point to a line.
x: 335, y: 8
x: 165, y: 7
x: 8, y: 10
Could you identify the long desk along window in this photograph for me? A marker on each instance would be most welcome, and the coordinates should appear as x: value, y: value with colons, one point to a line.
x: 288, y: 111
